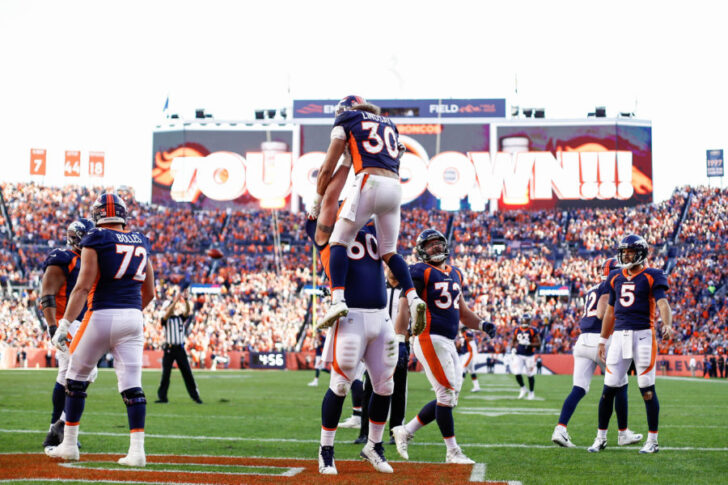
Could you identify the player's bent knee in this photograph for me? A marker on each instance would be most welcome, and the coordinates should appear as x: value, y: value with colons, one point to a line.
x: 133, y: 396
x: 385, y: 388
x: 339, y: 385
x: 648, y: 392
x: 447, y: 397
x: 76, y: 388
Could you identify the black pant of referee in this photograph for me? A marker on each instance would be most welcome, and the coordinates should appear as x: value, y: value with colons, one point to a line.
x: 172, y: 354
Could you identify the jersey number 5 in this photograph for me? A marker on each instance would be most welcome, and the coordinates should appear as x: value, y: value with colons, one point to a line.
x: 626, y: 296
x: 129, y: 250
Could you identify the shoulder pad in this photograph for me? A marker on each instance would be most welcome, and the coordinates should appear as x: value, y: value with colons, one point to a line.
x: 94, y: 237
x: 346, y: 117
x: 58, y: 257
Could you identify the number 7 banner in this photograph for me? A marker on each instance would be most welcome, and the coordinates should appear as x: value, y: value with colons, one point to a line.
x: 37, y: 161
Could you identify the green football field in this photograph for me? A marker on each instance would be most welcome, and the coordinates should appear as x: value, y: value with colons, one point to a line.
x: 274, y: 414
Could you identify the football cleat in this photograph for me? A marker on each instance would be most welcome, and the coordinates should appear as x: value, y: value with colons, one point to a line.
x: 134, y: 459
x: 562, y: 438
x: 361, y: 440
x: 627, y: 437
x: 650, y: 447
x: 418, y: 309
x: 457, y: 457
x: 336, y: 311
x: 599, y: 445
x: 351, y: 422
x: 326, y: 460
x: 65, y: 451
x: 531, y: 396
x: 401, y: 438
x: 522, y: 394
x: 374, y: 454
x: 475, y: 389
x: 313, y: 383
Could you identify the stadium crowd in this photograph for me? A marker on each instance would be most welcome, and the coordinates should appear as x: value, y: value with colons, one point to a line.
x: 262, y: 304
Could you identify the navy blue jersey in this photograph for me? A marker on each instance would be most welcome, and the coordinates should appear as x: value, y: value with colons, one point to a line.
x: 525, y: 338
x: 589, y: 322
x: 122, y: 258
x: 70, y: 262
x: 441, y: 289
x: 372, y: 140
x: 633, y: 297
x: 365, y: 285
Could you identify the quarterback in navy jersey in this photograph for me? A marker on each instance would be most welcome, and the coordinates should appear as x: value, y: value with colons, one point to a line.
x: 117, y: 282
x: 371, y: 143
x: 364, y: 333
x: 586, y: 360
x: 60, y: 271
x: 635, y: 291
x: 440, y: 285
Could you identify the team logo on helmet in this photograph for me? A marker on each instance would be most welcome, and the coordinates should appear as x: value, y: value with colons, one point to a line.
x: 76, y: 231
x: 346, y: 103
x: 608, y: 266
x: 442, y: 251
x: 109, y: 209
x: 636, y: 244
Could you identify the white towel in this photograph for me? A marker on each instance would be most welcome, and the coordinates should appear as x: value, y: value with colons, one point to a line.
x: 348, y: 211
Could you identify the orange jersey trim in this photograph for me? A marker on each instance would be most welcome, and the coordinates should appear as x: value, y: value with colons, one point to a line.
x: 335, y: 364
x: 81, y: 330
x: 432, y: 361
x: 355, y: 155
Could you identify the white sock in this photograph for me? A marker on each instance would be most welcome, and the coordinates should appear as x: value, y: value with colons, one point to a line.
x: 451, y: 443
x: 136, y: 442
x: 602, y: 433
x: 63, y: 416
x: 413, y: 425
x: 652, y: 436
x: 376, y: 431
x: 337, y: 295
x: 411, y: 295
x: 561, y: 426
x: 327, y: 436
x: 70, y: 435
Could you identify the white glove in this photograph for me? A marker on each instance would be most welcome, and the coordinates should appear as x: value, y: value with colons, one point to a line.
x: 315, y: 207
x: 513, y: 351
x: 59, y: 338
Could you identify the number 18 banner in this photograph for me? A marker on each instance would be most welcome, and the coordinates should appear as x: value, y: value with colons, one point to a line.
x: 96, y: 164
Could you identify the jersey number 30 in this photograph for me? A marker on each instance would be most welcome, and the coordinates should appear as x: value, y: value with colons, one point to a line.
x: 129, y: 251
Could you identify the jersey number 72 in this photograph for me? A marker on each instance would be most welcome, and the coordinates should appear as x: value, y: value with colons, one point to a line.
x: 130, y: 251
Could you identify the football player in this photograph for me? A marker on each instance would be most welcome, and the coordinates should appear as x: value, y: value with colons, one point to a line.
x: 525, y: 340
x: 60, y: 271
x: 441, y: 286
x: 318, y: 363
x: 373, y: 144
x: 634, y: 291
x: 117, y: 280
x: 586, y: 361
x: 365, y: 333
x: 468, y: 352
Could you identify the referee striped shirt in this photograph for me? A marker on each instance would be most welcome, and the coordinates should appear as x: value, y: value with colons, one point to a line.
x: 393, y: 301
x: 174, y: 330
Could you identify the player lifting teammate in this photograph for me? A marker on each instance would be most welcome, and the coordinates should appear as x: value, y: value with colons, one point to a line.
x: 441, y: 286
x: 634, y: 291
x: 117, y: 279
x: 373, y: 147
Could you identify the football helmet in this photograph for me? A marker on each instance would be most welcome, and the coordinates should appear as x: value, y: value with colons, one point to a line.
x: 525, y: 320
x: 432, y: 235
x: 346, y: 103
x: 638, y: 245
x: 76, y: 231
x: 109, y: 209
x: 608, y: 265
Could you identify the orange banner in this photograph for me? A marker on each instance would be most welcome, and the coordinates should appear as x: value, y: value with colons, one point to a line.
x: 37, y: 161
x: 96, y: 164
x: 72, y: 165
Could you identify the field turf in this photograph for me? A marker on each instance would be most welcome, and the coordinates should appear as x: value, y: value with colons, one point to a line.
x: 274, y: 414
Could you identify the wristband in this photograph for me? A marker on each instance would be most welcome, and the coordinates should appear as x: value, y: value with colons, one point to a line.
x: 603, y: 341
x: 401, y: 338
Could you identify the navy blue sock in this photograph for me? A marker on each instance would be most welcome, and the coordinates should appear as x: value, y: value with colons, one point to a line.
x: 136, y: 407
x: 357, y: 391
x: 331, y: 409
x: 59, y: 401
x: 606, y: 404
x: 75, y: 401
x: 570, y: 404
x: 621, y: 407
x: 519, y: 379
x: 652, y: 405
x: 318, y: 372
x: 427, y: 413
x: 379, y: 408
x: 443, y: 415
x: 338, y: 266
x: 531, y: 383
x: 401, y: 272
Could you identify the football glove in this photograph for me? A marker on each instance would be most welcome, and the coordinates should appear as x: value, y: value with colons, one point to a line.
x: 404, y: 353
x: 488, y: 327
x: 401, y: 149
x: 315, y: 208
x: 59, y: 338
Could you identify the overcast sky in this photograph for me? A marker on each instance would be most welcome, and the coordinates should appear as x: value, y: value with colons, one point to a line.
x: 94, y: 75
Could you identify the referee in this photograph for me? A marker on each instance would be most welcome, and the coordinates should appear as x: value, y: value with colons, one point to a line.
x: 175, y: 331
x: 399, y: 396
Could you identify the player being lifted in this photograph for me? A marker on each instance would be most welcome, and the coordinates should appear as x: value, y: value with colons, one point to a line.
x: 373, y: 147
x: 525, y: 340
x: 365, y: 333
x: 441, y: 286
x: 60, y: 272
x: 117, y: 279
x: 634, y: 290
x: 586, y: 360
